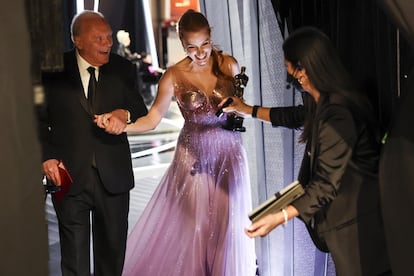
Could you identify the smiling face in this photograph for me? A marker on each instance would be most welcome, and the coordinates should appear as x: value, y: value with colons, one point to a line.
x: 197, y: 46
x: 94, y: 40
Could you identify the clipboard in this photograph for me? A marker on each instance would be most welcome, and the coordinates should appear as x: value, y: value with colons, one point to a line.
x: 278, y: 201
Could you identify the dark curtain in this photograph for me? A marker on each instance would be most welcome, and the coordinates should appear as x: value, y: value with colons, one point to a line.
x: 375, y: 39
x: 46, y: 33
x: 68, y: 11
x: 129, y: 16
x: 396, y: 163
x: 121, y: 14
x: 365, y: 39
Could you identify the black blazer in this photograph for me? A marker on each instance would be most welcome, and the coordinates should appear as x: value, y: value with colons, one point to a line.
x: 341, y: 181
x: 67, y: 129
x: 339, y: 171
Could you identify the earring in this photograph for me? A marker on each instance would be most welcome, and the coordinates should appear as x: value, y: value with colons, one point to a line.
x: 302, y: 79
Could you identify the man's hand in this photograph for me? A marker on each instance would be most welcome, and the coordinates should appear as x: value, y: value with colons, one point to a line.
x: 113, y: 122
x: 51, y: 170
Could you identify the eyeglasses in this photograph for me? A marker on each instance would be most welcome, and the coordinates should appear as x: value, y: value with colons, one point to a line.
x: 206, y: 45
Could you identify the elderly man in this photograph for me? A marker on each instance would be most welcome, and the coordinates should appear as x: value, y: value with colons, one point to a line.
x: 94, y: 81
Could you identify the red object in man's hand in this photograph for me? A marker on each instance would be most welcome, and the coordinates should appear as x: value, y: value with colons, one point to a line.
x: 65, y: 180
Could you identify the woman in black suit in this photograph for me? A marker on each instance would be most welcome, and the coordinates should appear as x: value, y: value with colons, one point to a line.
x: 339, y: 170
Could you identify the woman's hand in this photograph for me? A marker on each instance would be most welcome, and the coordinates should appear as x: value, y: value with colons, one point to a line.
x: 263, y: 226
x: 238, y: 106
x: 102, y: 119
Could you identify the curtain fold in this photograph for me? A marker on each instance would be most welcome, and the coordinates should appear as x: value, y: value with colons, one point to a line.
x: 121, y: 14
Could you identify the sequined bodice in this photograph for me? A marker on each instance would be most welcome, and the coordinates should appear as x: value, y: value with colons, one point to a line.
x: 198, y: 106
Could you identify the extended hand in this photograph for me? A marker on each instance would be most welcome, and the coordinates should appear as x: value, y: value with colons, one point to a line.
x: 113, y: 122
x: 237, y: 106
x: 264, y: 225
x: 102, y: 120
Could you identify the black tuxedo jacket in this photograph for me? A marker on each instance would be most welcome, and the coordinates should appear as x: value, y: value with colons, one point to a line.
x: 67, y: 129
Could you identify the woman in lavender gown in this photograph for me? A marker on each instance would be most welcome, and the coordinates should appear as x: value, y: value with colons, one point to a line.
x: 193, y: 225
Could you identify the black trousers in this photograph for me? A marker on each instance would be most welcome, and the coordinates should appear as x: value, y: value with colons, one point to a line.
x: 107, y: 215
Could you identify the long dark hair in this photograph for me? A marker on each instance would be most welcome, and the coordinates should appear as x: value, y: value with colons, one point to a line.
x: 193, y: 21
x: 313, y: 50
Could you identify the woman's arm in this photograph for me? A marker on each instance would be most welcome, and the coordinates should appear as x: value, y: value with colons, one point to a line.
x: 157, y: 111
x: 285, y: 116
x: 245, y: 110
x: 263, y: 226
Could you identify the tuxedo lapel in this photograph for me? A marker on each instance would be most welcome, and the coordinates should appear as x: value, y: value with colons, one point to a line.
x: 85, y: 104
x: 72, y: 67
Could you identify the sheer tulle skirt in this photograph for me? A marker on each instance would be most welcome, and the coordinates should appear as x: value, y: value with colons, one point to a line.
x: 194, y: 223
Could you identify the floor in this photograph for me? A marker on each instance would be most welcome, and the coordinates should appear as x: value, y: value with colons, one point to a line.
x: 151, y: 154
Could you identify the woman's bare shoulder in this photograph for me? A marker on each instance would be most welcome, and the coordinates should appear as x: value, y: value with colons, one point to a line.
x: 229, y: 59
x: 182, y: 64
x: 229, y: 64
x: 175, y: 71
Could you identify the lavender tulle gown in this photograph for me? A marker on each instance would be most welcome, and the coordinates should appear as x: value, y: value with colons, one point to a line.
x: 194, y: 223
